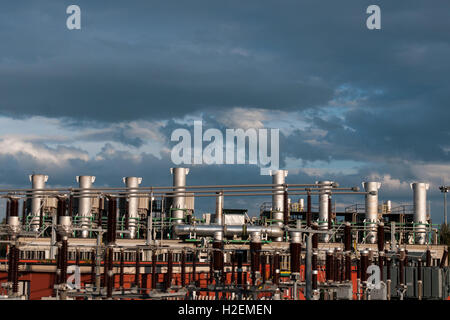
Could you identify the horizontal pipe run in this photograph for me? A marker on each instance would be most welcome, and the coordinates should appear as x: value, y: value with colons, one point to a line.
x: 231, y: 230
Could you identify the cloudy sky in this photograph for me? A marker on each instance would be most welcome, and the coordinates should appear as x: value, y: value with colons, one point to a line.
x: 351, y: 104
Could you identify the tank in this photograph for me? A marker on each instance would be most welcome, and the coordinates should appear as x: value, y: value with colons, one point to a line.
x: 133, y: 204
x: 420, y: 210
x: 85, y: 203
x: 278, y: 177
x: 37, y: 183
x: 371, y: 206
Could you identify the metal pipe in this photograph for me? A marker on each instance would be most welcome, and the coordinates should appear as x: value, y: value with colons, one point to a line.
x: 420, y: 210
x: 219, y: 208
x: 325, y: 187
x: 179, y: 200
x: 278, y: 178
x: 37, y: 183
x: 228, y: 230
x: 133, y: 204
x: 85, y: 203
x: 371, y: 199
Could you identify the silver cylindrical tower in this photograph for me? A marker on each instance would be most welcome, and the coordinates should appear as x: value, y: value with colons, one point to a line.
x: 179, y: 201
x: 323, y: 206
x: 219, y: 208
x: 37, y: 183
x: 85, y: 203
x: 371, y: 206
x: 301, y: 204
x: 133, y: 204
x: 420, y: 210
x: 278, y: 177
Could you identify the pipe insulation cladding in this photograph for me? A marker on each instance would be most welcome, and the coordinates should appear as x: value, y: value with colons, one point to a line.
x: 37, y: 183
x: 85, y: 203
x: 219, y: 208
x: 278, y: 177
x: 420, y: 210
x: 371, y: 208
x: 227, y: 230
x: 179, y: 200
x: 324, y: 207
x: 133, y: 204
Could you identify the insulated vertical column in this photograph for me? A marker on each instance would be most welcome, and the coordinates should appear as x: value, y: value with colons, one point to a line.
x: 371, y: 205
x: 325, y: 188
x: 85, y: 203
x: 278, y: 178
x: 179, y: 199
x: 37, y: 183
x: 420, y: 211
x: 219, y: 208
x: 133, y: 204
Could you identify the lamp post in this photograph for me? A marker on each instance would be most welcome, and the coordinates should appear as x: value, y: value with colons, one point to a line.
x: 444, y: 190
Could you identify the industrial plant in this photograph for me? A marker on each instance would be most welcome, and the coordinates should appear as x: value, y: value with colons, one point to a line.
x: 136, y: 242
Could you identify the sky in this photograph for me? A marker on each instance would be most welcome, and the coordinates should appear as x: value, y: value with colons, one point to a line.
x: 351, y: 104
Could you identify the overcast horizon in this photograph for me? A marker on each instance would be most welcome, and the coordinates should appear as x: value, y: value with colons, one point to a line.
x: 352, y: 104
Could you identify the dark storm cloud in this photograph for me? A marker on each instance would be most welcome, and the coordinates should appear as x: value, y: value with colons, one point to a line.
x: 154, y: 59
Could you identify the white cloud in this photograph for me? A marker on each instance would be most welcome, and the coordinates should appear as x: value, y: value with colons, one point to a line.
x: 40, y: 152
